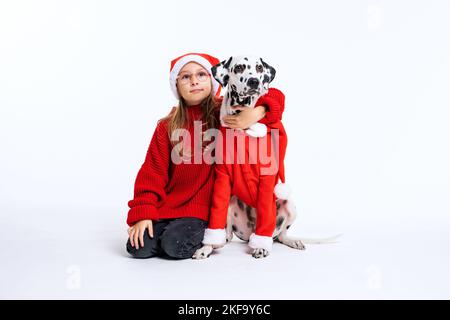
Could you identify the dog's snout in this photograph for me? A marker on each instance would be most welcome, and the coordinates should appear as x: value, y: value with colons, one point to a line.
x: 253, y: 83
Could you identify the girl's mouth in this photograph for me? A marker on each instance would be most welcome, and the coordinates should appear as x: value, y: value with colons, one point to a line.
x: 196, y: 91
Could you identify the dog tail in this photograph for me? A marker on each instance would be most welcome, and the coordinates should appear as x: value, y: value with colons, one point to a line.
x: 329, y: 240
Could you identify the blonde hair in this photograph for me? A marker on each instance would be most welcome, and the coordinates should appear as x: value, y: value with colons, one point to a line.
x: 178, y: 118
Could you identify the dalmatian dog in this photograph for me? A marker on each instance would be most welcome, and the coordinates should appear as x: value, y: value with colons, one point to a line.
x: 246, y: 78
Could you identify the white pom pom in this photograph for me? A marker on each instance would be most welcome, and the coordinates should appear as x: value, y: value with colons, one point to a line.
x: 282, y: 191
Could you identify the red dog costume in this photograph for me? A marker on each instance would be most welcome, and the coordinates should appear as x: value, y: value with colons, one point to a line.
x: 248, y: 181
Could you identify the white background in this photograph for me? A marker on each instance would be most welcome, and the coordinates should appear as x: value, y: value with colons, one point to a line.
x: 82, y: 84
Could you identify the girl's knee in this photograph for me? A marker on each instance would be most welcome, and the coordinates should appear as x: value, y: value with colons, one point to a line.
x: 179, y: 247
x: 147, y: 251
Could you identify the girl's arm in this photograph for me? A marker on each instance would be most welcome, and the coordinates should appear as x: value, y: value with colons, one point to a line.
x: 269, y: 109
x: 273, y: 100
x: 149, y: 188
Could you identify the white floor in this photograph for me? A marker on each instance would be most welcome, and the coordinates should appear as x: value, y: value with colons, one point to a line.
x: 57, y: 254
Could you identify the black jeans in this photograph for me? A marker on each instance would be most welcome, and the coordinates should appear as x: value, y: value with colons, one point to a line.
x: 173, y: 238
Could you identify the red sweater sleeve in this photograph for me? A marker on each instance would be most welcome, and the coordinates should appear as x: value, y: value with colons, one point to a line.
x: 274, y: 101
x: 152, y: 178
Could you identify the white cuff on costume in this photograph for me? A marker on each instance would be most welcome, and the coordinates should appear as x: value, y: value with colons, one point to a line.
x: 215, y: 237
x: 263, y: 242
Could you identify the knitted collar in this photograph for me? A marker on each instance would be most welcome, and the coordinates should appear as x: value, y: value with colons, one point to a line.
x: 196, y: 108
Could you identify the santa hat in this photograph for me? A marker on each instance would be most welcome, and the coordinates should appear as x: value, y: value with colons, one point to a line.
x: 205, y: 60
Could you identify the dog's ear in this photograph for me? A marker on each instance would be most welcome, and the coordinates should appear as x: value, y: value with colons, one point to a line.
x: 220, y: 71
x: 269, y: 74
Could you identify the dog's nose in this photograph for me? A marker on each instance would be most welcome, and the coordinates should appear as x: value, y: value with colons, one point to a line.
x: 253, y: 83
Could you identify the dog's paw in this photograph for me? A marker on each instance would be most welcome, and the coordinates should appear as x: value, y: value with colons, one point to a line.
x: 260, y: 253
x: 203, y: 253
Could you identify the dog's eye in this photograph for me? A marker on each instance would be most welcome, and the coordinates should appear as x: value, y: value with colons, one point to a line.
x: 238, y: 68
x: 259, y: 68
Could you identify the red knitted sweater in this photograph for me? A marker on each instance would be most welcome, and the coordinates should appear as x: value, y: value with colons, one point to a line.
x: 166, y: 190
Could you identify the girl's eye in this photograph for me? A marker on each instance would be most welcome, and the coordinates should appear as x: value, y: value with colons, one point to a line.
x: 184, y: 77
x: 202, y: 74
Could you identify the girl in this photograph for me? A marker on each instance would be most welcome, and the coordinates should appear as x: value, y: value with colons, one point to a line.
x: 172, y: 200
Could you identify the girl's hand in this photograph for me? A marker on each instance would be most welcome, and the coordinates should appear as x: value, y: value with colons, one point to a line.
x: 136, y: 232
x: 245, y: 118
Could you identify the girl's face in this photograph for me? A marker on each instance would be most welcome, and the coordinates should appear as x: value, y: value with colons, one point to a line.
x: 194, y: 83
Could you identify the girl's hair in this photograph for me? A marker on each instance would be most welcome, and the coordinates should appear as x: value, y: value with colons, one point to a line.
x: 178, y: 117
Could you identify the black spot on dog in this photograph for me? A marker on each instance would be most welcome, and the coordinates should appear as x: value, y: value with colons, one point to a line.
x: 235, y: 214
x: 285, y: 201
x: 280, y: 221
x: 288, y: 227
x: 250, y: 218
x: 241, y: 79
x: 234, y: 228
x: 225, y: 80
x: 266, y: 79
x: 278, y: 205
x: 240, y: 204
x: 250, y: 225
x: 245, y: 59
x: 249, y: 66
